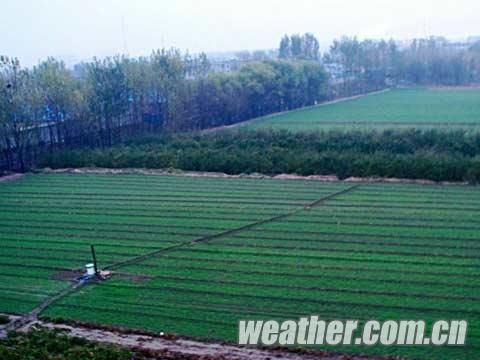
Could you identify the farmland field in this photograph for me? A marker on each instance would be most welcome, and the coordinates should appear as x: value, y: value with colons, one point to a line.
x: 223, y: 249
x: 399, y: 109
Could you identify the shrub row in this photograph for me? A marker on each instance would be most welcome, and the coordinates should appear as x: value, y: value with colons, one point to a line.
x: 413, y: 154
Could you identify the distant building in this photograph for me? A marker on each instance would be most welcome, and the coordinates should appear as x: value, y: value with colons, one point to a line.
x: 227, y: 66
x: 441, y: 42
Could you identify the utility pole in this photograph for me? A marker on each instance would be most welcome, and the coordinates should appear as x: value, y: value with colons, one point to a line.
x: 94, y: 257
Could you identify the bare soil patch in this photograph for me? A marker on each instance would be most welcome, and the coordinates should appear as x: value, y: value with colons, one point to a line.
x: 68, y: 275
x: 12, y: 177
x: 168, y: 346
x: 132, y: 277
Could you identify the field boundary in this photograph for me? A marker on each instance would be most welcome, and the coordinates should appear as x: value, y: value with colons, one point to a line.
x: 222, y: 234
x: 289, y: 177
x: 11, y: 177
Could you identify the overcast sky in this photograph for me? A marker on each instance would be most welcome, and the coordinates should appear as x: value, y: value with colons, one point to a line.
x: 79, y: 29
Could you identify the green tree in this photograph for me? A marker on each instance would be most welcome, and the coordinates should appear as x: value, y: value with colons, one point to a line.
x: 284, y: 51
x: 108, y: 96
x: 57, y: 88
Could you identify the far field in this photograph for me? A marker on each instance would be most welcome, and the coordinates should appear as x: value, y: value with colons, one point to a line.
x: 403, y: 108
x: 341, y: 251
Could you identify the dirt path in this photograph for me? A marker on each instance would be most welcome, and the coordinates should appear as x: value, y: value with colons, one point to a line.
x: 230, y: 232
x: 175, y: 172
x: 185, y: 347
x: 19, y: 322
x: 12, y: 177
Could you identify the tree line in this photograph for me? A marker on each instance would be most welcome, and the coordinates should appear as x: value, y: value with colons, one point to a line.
x: 367, y: 64
x: 103, y: 102
x: 299, y: 47
x: 359, y: 66
x: 106, y: 101
x: 413, y: 154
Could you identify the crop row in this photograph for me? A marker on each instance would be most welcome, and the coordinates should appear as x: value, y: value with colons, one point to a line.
x: 192, y: 289
x: 141, y: 204
x: 105, y: 214
x: 18, y: 304
x: 313, y: 214
x: 177, y: 181
x: 138, y: 296
x: 381, y: 271
x: 341, y: 286
x: 373, y: 254
x: 79, y: 238
x: 142, y: 211
x: 449, y: 211
x: 48, y: 284
x: 300, y: 218
x: 367, y: 240
x: 172, y: 190
x: 127, y: 302
x: 302, y: 257
x: 340, y: 233
x: 148, y: 199
x: 20, y: 249
x: 110, y: 226
x: 321, y: 242
x: 75, y: 240
x: 367, y: 200
x: 369, y: 229
x: 62, y: 254
x: 15, y: 226
x: 82, y: 245
x: 227, y: 223
x: 66, y: 261
x: 388, y: 188
x: 263, y: 235
x: 327, y: 281
x: 421, y: 217
x: 354, y: 248
x: 363, y: 193
x: 23, y: 287
x: 165, y: 197
x: 169, y: 194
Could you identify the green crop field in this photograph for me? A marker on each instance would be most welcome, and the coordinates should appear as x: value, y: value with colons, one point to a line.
x: 400, y: 109
x: 267, y: 249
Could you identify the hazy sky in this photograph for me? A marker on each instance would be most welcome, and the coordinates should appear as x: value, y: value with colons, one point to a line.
x: 79, y: 29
